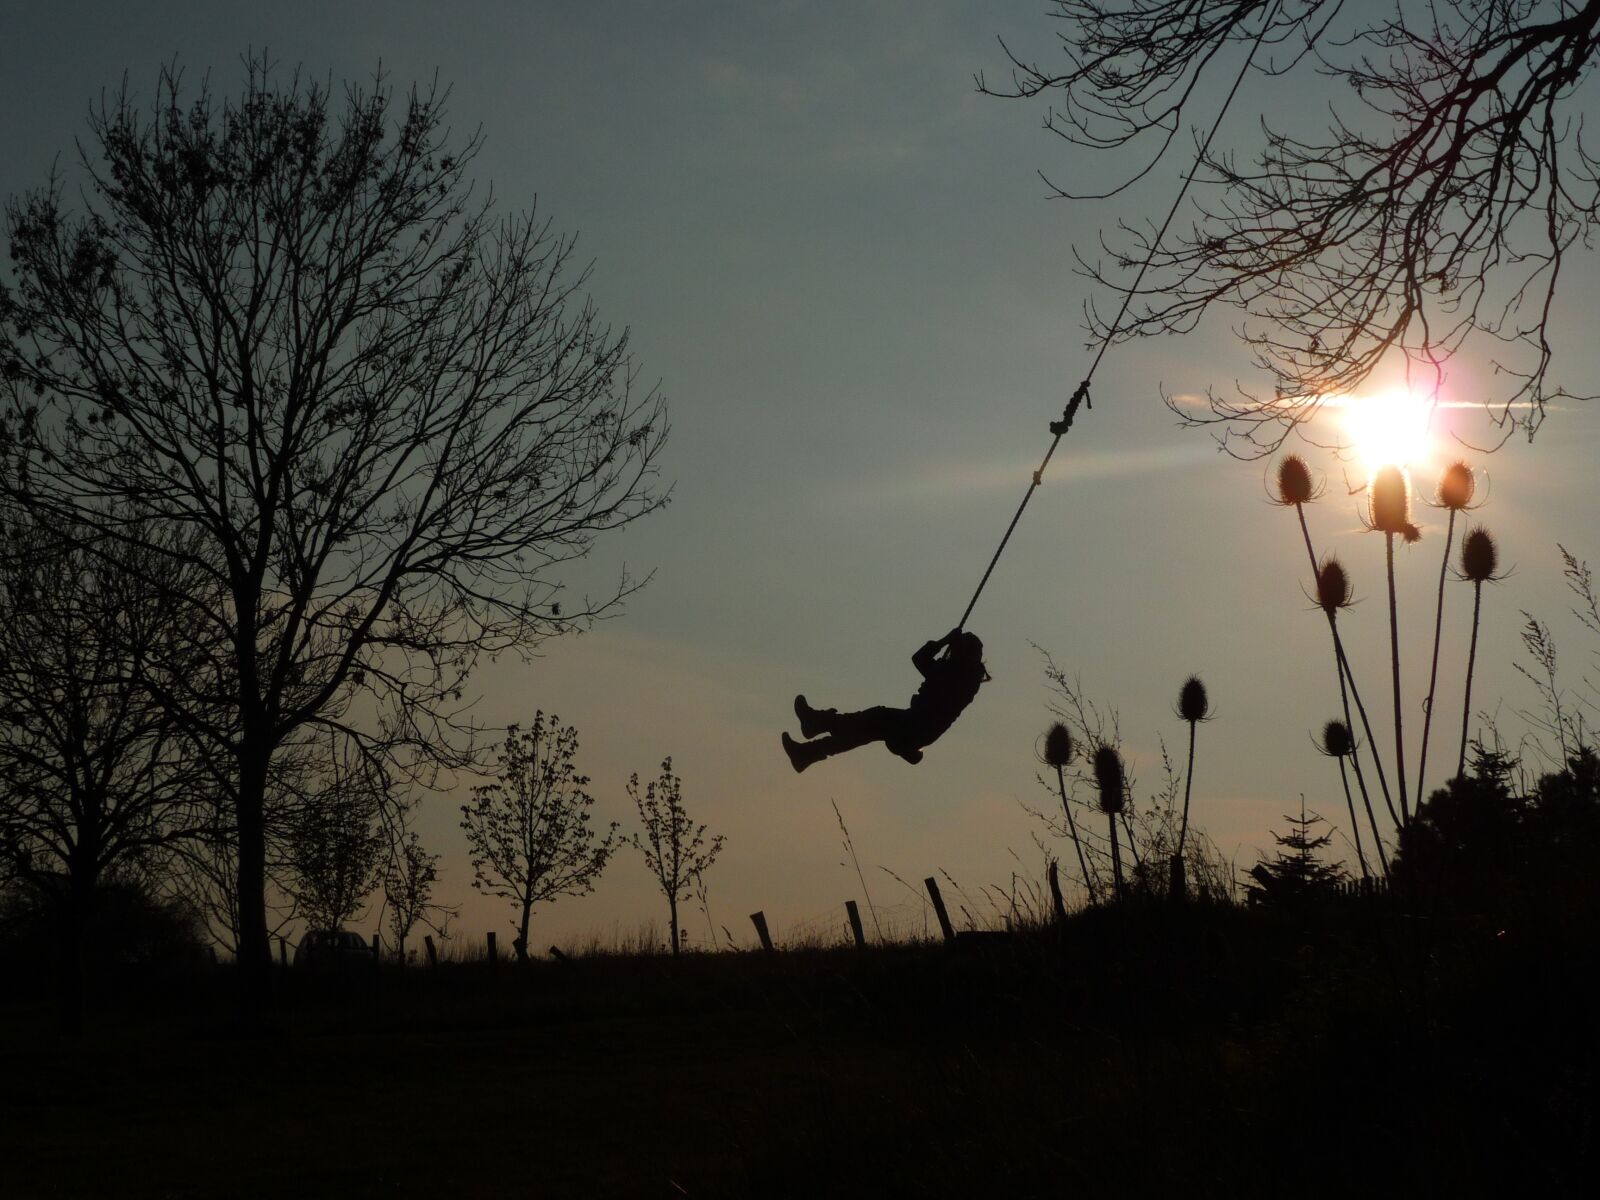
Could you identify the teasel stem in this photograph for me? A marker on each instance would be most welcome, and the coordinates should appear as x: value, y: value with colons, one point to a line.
x: 1433, y: 672
x: 1133, y: 845
x: 1194, y: 706
x: 1116, y: 857
x: 1394, y: 666
x: 1342, y: 668
x: 1355, y: 827
x: 1480, y: 558
x: 1355, y: 760
x: 1111, y: 779
x: 1072, y: 826
x: 1472, y: 658
x: 1188, y: 783
x: 1338, y: 742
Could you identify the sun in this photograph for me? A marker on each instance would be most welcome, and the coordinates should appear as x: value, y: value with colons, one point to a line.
x: 1389, y: 429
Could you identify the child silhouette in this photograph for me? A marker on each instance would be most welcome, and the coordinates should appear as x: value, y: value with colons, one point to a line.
x: 952, y: 671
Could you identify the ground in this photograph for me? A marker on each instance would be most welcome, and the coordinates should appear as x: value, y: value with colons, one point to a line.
x: 1208, y: 1052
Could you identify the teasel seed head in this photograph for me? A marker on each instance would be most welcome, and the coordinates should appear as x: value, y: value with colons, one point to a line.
x: 1110, y: 777
x: 1480, y: 556
x: 1337, y: 740
x: 1058, y: 745
x: 1294, y: 481
x: 1456, y: 486
x: 1193, y: 703
x: 1334, y: 589
x: 1389, y: 503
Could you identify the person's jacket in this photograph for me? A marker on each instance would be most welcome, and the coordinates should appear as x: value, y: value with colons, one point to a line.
x: 948, y: 686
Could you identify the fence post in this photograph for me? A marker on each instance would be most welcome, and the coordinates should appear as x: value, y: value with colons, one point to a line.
x: 213, y: 952
x: 283, y: 951
x: 1060, y: 904
x: 377, y: 946
x: 493, y: 958
x: 433, y: 951
x: 945, y: 927
x: 759, y: 920
x: 855, y: 924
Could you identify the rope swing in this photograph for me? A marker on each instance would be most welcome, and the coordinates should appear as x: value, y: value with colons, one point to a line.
x: 1058, y: 429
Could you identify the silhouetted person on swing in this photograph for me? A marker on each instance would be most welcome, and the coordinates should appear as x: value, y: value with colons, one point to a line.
x: 952, y: 671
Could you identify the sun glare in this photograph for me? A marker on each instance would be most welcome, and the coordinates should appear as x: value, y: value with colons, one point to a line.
x: 1388, y: 429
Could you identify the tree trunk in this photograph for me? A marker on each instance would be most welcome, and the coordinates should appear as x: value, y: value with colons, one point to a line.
x: 255, y: 948
x: 71, y: 926
x: 522, y: 932
x: 672, y: 904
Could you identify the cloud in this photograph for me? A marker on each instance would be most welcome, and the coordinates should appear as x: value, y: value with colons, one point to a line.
x: 955, y: 479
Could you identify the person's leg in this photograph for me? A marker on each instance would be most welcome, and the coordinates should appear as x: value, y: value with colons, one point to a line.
x: 846, y: 731
x: 904, y: 737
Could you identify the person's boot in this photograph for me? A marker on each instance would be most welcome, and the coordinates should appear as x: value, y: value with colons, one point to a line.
x: 801, y: 755
x: 810, y: 718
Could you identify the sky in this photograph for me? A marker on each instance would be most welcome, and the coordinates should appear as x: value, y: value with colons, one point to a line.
x: 841, y: 265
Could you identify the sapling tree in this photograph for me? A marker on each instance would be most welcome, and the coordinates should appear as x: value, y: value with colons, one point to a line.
x: 409, y: 874
x: 528, y: 829
x: 674, y: 847
x: 335, y: 839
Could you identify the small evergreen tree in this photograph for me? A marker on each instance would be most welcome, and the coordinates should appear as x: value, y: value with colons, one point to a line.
x: 1298, y: 873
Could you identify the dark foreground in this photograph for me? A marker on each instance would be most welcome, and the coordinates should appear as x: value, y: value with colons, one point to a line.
x: 1198, y: 1053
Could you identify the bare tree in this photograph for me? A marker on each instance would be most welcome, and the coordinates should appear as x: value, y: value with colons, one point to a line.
x: 674, y: 847
x: 384, y: 413
x: 96, y: 780
x: 1435, y: 208
x: 528, y: 829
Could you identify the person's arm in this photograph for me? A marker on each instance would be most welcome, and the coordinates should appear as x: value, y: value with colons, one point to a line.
x: 922, y: 660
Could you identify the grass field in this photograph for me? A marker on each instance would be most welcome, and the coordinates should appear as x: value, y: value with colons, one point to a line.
x: 1197, y: 1052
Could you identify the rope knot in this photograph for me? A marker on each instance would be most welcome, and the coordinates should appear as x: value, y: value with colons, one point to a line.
x: 1078, y: 397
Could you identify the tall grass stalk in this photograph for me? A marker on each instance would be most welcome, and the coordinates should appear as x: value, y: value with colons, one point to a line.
x: 850, y: 847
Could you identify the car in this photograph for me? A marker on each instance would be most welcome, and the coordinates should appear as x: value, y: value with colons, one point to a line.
x: 333, y: 948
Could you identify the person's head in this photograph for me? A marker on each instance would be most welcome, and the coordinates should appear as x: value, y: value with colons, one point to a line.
x: 967, y: 649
